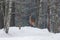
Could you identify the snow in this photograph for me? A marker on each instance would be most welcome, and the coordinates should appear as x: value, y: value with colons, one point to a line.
x: 28, y: 33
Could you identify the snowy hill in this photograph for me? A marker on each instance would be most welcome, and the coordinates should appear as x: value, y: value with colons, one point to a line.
x: 28, y: 33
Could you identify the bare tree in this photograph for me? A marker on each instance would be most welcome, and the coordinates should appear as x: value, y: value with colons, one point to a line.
x: 7, y: 16
x: 48, y: 16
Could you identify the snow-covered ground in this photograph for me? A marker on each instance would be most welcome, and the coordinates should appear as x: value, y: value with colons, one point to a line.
x: 28, y: 33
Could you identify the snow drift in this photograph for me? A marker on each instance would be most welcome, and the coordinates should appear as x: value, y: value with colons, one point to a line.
x: 28, y: 33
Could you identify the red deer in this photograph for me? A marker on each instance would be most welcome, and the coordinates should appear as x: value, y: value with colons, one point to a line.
x: 31, y: 21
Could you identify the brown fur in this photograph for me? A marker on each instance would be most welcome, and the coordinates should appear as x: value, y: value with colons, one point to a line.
x: 31, y: 21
